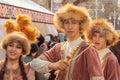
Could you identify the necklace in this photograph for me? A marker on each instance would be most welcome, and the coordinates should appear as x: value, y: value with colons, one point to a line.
x: 11, y: 71
x: 10, y: 66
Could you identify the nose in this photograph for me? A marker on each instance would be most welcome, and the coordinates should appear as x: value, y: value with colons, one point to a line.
x: 13, y: 48
x: 97, y: 38
x: 70, y: 25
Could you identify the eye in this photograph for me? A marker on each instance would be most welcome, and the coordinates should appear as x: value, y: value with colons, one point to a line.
x: 74, y: 22
x: 66, y: 22
x: 19, y: 47
x: 10, y: 45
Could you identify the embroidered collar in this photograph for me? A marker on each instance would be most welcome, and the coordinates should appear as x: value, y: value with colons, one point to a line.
x: 75, y: 42
x: 102, y: 53
x: 70, y: 45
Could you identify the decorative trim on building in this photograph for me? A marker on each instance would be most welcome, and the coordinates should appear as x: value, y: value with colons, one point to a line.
x: 10, y: 11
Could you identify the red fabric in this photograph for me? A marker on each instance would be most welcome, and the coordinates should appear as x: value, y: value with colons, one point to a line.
x: 111, y: 67
x: 86, y: 66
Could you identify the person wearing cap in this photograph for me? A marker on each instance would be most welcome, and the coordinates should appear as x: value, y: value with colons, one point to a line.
x: 32, y: 54
x: 116, y: 50
x: 102, y: 35
x: 16, y: 45
x: 74, y: 59
x: 12, y: 68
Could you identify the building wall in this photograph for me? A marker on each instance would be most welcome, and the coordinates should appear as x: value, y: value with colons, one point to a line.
x: 44, y: 3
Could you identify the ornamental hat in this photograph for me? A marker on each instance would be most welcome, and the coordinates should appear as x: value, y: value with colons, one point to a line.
x: 105, y: 28
x: 22, y: 32
x: 18, y: 37
x: 70, y: 11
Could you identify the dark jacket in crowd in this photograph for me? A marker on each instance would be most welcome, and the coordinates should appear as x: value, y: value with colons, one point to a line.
x: 116, y: 50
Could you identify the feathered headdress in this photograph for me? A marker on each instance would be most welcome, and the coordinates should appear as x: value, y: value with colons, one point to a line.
x: 21, y: 32
x: 23, y: 24
x: 9, y: 26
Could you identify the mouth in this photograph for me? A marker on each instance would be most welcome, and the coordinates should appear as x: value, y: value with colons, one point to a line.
x: 69, y: 31
x: 97, y: 43
x: 12, y: 53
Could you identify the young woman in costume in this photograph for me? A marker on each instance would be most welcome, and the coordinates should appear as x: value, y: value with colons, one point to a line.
x: 102, y: 35
x: 16, y: 44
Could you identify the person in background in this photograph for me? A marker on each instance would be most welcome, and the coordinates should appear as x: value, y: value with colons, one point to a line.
x: 54, y: 41
x: 102, y: 35
x: 30, y: 57
x: 33, y: 53
x: 42, y: 45
x: 74, y: 59
x: 51, y: 38
x: 47, y: 40
x: 116, y: 50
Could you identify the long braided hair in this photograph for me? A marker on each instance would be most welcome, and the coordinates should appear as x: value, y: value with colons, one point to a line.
x: 22, y: 69
x: 2, y: 71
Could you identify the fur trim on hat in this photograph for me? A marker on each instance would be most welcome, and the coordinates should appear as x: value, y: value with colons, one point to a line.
x: 17, y: 37
x: 71, y: 11
x: 106, y: 29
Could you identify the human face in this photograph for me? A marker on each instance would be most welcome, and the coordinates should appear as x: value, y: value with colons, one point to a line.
x: 71, y: 28
x: 99, y: 41
x: 14, y: 51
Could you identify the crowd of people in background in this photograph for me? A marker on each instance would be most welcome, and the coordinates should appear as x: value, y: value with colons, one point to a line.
x: 43, y: 44
x: 91, y: 50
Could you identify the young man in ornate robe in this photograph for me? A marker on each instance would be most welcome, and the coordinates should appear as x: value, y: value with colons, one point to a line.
x: 74, y: 59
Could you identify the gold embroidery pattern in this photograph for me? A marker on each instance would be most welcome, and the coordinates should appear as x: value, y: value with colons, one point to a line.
x: 14, y: 71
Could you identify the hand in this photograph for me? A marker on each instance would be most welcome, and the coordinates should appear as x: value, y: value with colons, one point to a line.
x: 60, y: 65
